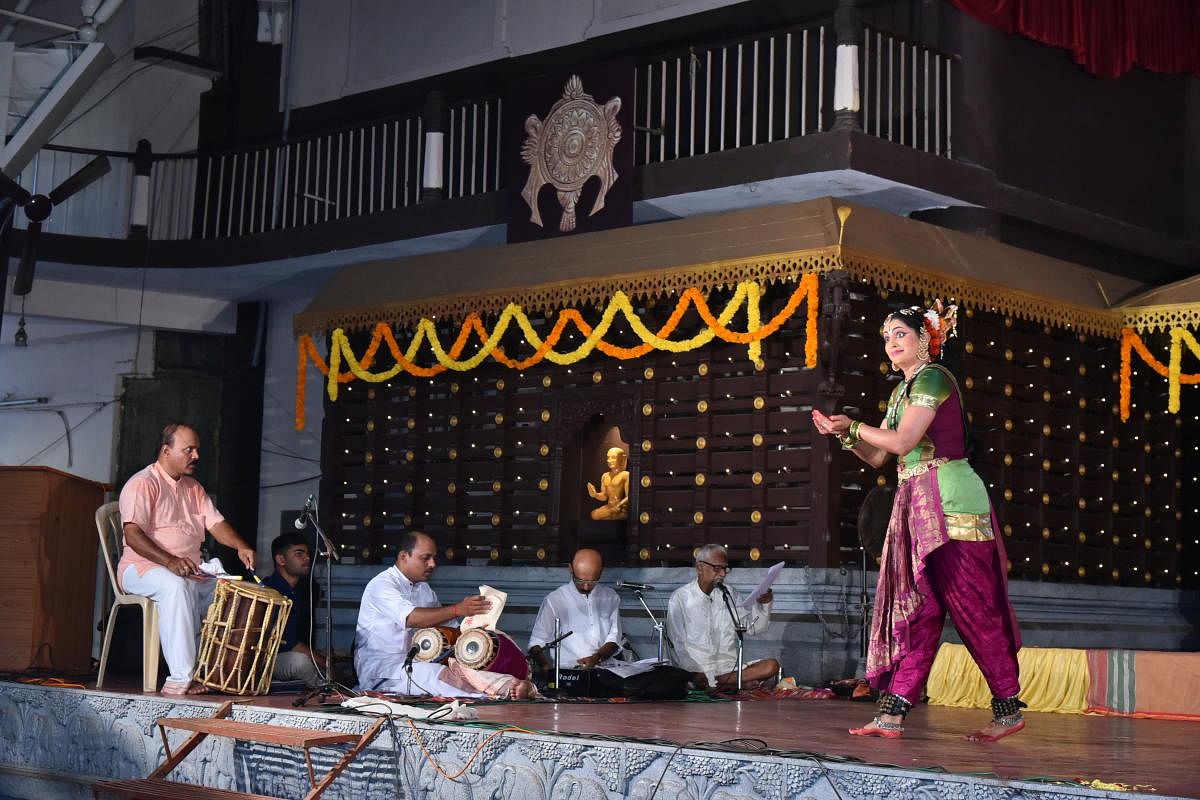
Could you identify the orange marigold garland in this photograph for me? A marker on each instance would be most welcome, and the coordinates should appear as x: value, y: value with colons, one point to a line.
x: 748, y: 293
x: 1131, y: 342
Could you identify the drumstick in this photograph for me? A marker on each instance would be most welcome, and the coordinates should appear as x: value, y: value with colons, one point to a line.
x: 254, y: 575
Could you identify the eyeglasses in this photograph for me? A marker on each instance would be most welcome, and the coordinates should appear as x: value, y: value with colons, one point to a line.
x: 582, y: 582
x: 719, y: 568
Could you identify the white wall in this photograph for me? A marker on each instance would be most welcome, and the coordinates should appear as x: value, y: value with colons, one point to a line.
x: 279, y: 431
x: 352, y: 46
x: 77, y: 365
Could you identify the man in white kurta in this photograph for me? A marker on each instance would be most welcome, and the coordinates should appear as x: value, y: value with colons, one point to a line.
x: 701, y: 629
x: 591, y: 612
x: 395, y: 605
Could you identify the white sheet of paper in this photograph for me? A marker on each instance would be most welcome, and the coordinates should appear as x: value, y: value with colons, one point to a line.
x: 488, y: 619
x: 624, y: 670
x: 763, y: 585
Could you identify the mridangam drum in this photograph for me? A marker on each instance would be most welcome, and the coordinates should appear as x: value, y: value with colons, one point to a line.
x: 240, y: 638
x: 493, y: 651
x: 434, y: 644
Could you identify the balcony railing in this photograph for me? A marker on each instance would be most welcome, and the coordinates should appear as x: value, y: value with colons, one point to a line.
x: 687, y: 102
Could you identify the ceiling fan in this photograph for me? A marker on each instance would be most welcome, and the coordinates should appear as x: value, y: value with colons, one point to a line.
x: 37, y: 209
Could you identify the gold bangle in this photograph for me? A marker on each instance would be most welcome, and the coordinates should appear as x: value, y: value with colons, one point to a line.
x: 854, y: 428
x: 848, y: 441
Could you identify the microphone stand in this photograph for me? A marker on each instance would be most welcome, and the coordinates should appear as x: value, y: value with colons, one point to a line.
x: 328, y: 686
x: 557, y: 653
x: 738, y: 628
x: 658, y: 626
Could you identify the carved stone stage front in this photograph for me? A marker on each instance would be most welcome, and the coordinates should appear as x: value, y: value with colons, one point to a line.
x: 54, y: 742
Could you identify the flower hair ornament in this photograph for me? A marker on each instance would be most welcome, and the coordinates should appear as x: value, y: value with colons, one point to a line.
x: 937, y: 324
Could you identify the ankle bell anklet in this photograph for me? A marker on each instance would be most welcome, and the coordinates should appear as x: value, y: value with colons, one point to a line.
x: 894, y: 705
x: 1006, y: 711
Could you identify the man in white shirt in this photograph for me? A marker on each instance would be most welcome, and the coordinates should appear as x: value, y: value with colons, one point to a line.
x: 701, y: 629
x: 396, y: 604
x: 592, y: 613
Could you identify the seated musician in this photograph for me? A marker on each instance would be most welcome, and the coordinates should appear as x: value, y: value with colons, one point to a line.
x: 702, y: 632
x: 398, y: 602
x: 164, y: 514
x: 592, y: 613
x: 296, y: 660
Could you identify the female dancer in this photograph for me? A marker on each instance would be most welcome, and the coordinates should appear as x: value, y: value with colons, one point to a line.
x: 942, y: 551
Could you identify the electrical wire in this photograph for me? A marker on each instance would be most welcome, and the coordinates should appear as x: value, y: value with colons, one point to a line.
x: 290, y: 483
x: 73, y: 428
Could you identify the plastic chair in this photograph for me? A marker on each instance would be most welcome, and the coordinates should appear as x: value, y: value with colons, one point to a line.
x: 108, y: 525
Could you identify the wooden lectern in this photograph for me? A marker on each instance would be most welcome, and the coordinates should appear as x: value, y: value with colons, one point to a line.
x: 48, y: 547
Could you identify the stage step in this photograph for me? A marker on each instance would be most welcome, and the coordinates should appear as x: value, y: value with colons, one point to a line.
x: 156, y: 785
x: 157, y: 789
x: 257, y: 732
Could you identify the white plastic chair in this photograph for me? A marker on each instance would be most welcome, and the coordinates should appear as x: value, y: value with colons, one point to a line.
x: 108, y: 525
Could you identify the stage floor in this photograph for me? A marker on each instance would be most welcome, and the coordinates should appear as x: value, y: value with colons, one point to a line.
x: 1157, y: 756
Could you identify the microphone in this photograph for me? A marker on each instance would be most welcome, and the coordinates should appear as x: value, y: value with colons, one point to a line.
x: 302, y: 521
x: 408, y: 659
x: 644, y: 587
x: 724, y: 589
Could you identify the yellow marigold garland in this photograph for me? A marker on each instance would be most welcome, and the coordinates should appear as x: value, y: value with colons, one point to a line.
x: 1131, y: 342
x: 748, y: 293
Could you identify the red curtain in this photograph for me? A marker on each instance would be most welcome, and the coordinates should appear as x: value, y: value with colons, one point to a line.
x: 1107, y: 37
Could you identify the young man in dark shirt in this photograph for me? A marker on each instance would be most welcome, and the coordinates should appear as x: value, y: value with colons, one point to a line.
x: 293, y: 560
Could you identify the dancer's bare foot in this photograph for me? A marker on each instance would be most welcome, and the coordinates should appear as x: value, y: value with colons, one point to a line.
x: 886, y: 726
x: 996, y: 730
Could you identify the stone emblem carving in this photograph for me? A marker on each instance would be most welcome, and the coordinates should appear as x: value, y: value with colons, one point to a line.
x: 575, y: 142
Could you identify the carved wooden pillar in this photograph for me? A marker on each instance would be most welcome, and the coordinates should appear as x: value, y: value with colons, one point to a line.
x: 826, y: 474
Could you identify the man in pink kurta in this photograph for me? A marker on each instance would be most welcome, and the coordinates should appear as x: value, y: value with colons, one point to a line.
x: 164, y: 514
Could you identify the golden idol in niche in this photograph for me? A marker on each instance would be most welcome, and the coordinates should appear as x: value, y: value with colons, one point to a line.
x: 614, y: 488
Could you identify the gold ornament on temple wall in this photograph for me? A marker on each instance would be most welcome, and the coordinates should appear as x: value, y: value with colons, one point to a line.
x: 366, y: 553
x: 1045, y: 499
x: 1046, y: 396
x: 494, y: 554
x: 1083, y: 436
x: 614, y: 487
x: 500, y: 384
x: 882, y: 406
x: 547, y: 381
x: 969, y: 347
x: 543, y: 484
x: 756, y: 517
x: 1146, y: 480
x: 1045, y: 362
x: 541, y: 519
x: 368, y: 488
x: 545, y: 415
x: 1045, y: 533
x: 573, y: 143
x: 1147, y: 577
x: 1008, y: 494
x: 880, y: 480
x: 1083, y: 402
x: 644, y: 517
x: 1146, y: 447
x: 367, y: 521
x: 1007, y: 460
x: 759, y: 403
x: 411, y: 423
x: 495, y: 520
x: 646, y: 481
x: 1045, y: 465
x: 647, y: 409
x: 1148, y: 544
x: 498, y: 452
x: 1045, y: 430
x: 454, y: 388
x: 1116, y: 442
x: 1082, y: 370
x: 451, y: 487
x: 1082, y: 470
x: 370, y: 425
x: 453, y: 454
x: 1116, y: 574
x: 698, y: 517
x: 1081, y: 572
x: 699, y: 478
x: 757, y: 440
x: 450, y: 520
x: 1008, y: 530
x: 1008, y: 425
x: 497, y: 486
x: 1008, y: 355
x: 1116, y: 476
x: 370, y: 394
x: 644, y: 554
x: 409, y: 455
x: 1008, y: 390
x: 408, y: 520
x: 369, y: 457
x: 702, y: 369
x: 648, y: 373
x: 647, y: 445
x: 544, y: 450
x: 1082, y: 503
x: 499, y: 419
x: 1082, y: 537
x: 408, y: 488
x: 701, y: 443
x: 597, y: 376
x: 755, y: 553
x: 453, y: 421
x: 969, y: 382
x: 756, y: 478
x: 1008, y: 322
x: 541, y: 554
x: 1045, y: 568
x: 702, y: 406
x: 1116, y: 508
